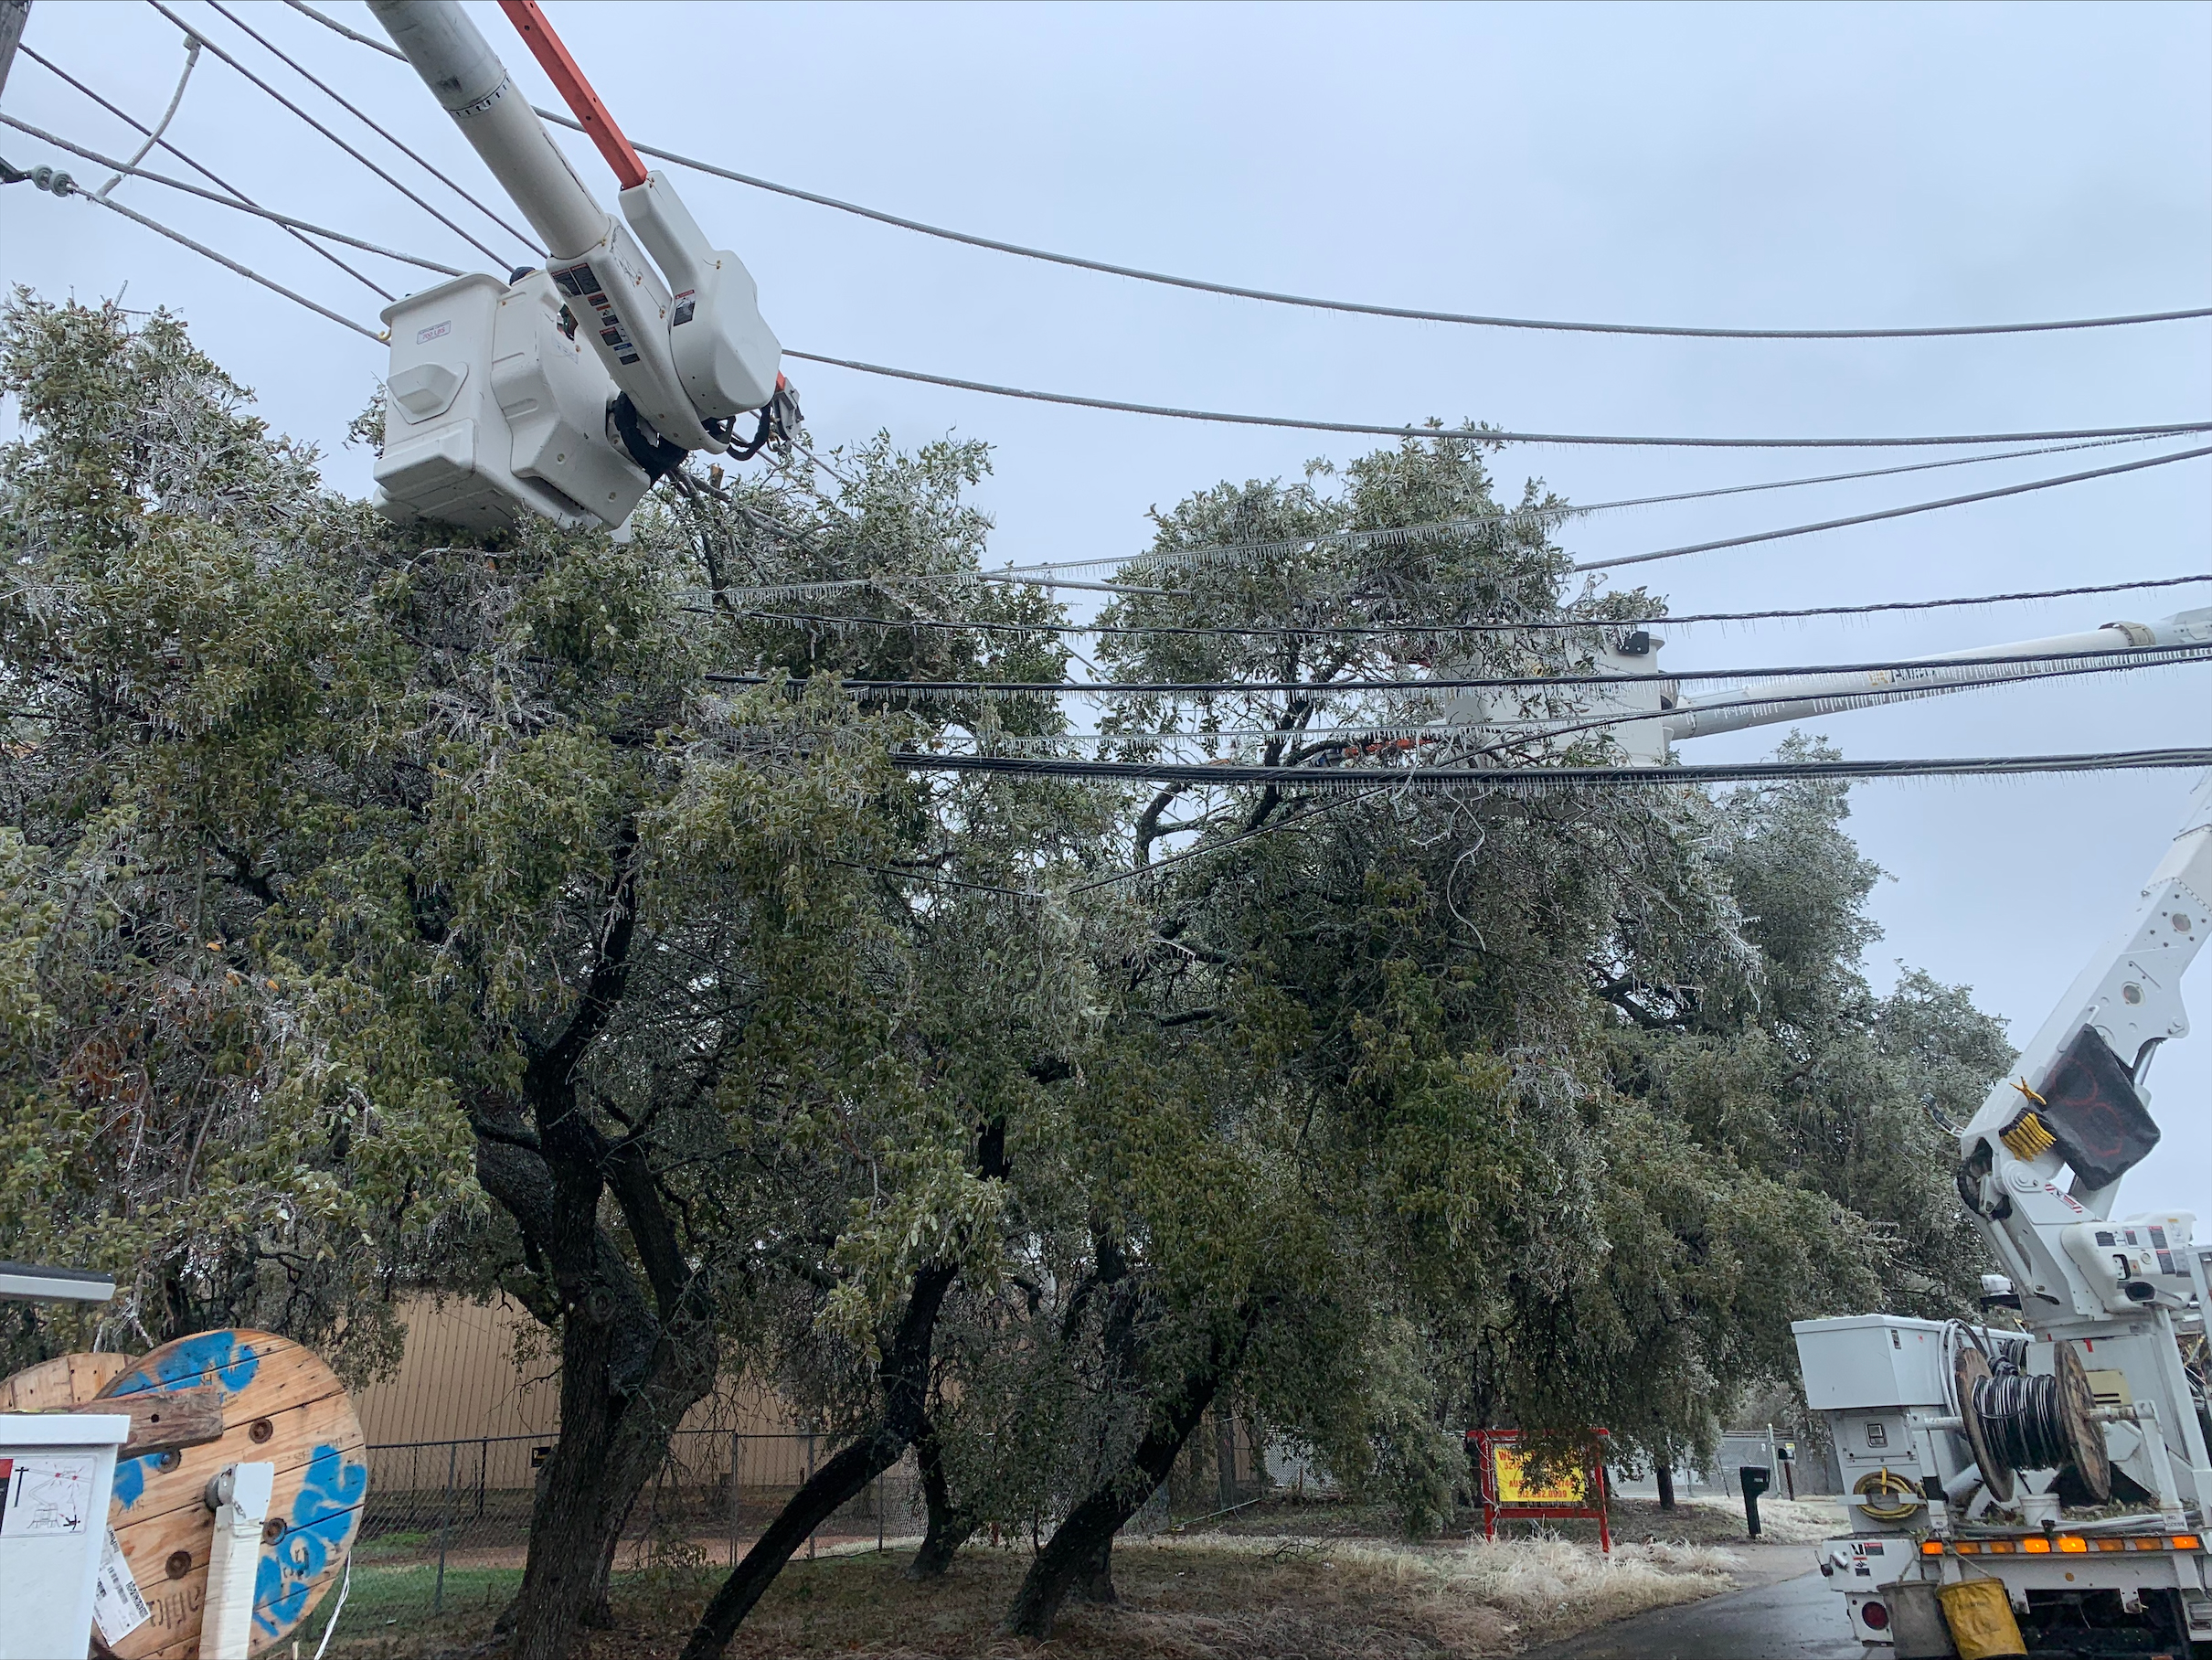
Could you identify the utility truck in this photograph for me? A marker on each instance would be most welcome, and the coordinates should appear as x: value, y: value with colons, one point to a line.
x: 2056, y: 1452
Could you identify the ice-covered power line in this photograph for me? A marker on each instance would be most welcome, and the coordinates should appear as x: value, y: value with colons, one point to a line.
x: 1880, y: 514
x: 373, y: 126
x: 1313, y: 302
x: 1489, y: 435
x: 176, y: 100
x: 1550, y: 778
x: 482, y: 247
x: 1054, y: 573
x: 132, y: 170
x: 2136, y: 656
x: 129, y: 120
x: 225, y: 259
x: 1399, y: 630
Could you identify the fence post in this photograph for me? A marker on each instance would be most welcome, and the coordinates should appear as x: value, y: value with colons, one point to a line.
x: 810, y: 1476
x: 737, y: 1447
x: 879, y: 1513
x: 484, y: 1463
x: 445, y: 1528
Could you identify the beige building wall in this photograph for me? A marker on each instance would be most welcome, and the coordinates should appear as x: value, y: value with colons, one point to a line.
x: 473, y: 1371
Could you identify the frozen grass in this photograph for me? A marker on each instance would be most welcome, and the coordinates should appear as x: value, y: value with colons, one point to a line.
x: 1192, y: 1598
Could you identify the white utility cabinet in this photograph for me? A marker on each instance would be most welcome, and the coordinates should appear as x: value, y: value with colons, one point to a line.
x: 57, y: 1468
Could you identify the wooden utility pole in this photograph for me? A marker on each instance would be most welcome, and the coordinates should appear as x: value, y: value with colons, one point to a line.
x: 14, y: 14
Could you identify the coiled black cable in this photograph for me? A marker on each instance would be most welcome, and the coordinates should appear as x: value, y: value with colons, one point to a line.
x: 2020, y: 1420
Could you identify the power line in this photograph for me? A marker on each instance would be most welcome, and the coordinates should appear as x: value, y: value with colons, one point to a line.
x: 1389, y: 630
x: 1052, y: 574
x: 1311, y: 303
x: 53, y: 69
x: 1476, y: 435
x: 1485, y: 435
x: 225, y: 259
x: 2137, y: 656
x: 176, y: 100
x: 1219, y: 552
x: 1510, y: 778
x: 1891, y: 513
x: 370, y: 122
x: 488, y: 252
x: 132, y: 170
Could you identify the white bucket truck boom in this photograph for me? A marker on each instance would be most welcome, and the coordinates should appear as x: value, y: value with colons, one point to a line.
x: 563, y: 391
x: 2064, y: 1460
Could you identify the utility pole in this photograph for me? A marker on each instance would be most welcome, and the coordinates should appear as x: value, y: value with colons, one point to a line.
x: 13, y: 15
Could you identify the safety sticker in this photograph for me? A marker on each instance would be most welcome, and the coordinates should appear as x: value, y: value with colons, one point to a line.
x: 47, y: 1496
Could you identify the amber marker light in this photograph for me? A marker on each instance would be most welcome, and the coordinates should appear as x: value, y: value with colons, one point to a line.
x: 2003, y: 1546
x: 2036, y: 1547
x: 2112, y: 1544
x: 2072, y: 1545
x: 1931, y: 1548
x: 2187, y: 1541
x: 2146, y: 1544
x: 1967, y: 1547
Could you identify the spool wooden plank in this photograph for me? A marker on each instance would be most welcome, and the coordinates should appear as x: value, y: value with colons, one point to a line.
x: 65, y: 1381
x: 165, y: 1420
x: 280, y: 1405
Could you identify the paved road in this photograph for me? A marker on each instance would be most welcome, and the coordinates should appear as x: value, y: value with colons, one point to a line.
x: 1795, y: 1619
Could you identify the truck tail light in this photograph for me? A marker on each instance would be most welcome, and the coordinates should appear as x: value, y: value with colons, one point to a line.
x: 1875, y: 1616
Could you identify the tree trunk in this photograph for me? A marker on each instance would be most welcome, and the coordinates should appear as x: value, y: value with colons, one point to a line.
x: 627, y: 1378
x: 949, y: 1527
x: 1094, y: 1574
x: 1662, y: 1471
x: 1080, y: 1552
x: 905, y: 1379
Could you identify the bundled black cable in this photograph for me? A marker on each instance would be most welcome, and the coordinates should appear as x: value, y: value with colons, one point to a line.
x: 2021, y: 1419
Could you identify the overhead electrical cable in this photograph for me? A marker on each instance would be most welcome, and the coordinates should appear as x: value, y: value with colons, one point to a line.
x: 482, y: 247
x: 1321, y: 631
x: 1311, y: 303
x: 130, y: 170
x: 2129, y: 656
x: 1487, y: 435
x: 225, y: 259
x: 1891, y: 513
x: 1521, y: 778
x: 1052, y: 574
x: 176, y: 100
x: 369, y: 122
x: 305, y: 240
x: 1526, y: 729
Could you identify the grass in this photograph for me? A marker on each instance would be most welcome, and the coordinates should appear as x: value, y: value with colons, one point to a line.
x: 1212, y: 1596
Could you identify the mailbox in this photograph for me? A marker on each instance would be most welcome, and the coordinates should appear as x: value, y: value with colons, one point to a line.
x: 1756, y: 1480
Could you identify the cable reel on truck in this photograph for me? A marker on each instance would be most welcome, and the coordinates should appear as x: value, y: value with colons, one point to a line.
x: 2016, y: 1420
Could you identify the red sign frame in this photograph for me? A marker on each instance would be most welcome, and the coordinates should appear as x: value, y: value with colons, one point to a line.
x: 1484, y: 1444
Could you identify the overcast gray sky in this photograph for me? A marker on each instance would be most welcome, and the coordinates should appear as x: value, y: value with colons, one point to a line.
x: 1801, y: 166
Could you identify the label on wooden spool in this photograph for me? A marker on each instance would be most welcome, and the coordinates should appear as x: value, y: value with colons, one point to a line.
x: 282, y: 1405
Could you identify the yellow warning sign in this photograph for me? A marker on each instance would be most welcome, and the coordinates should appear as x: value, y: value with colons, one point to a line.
x: 1518, y: 1479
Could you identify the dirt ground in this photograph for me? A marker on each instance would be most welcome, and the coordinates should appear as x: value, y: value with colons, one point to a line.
x: 1272, y: 1582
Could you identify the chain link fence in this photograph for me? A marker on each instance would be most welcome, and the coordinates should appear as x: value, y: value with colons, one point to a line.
x: 446, y: 1527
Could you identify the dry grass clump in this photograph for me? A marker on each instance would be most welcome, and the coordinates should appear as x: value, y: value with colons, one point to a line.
x: 1551, y: 1581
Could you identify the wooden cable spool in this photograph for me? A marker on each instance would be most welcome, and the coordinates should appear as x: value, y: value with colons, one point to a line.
x: 65, y: 1381
x: 280, y: 1405
x: 1969, y: 1368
